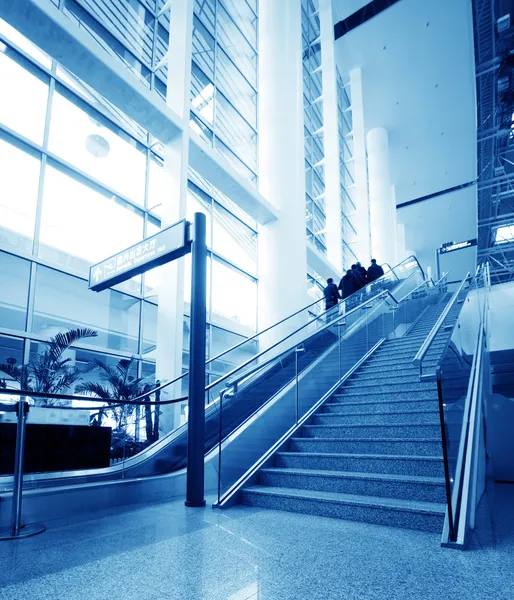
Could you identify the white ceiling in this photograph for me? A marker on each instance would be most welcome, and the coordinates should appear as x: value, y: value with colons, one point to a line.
x: 418, y: 75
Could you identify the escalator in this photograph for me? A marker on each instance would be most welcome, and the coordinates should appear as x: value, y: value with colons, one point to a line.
x: 237, y: 396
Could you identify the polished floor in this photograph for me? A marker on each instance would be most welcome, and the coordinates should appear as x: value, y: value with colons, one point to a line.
x: 169, y: 552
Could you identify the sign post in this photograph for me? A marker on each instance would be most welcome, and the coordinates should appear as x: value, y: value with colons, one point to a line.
x: 167, y: 245
x: 196, y: 402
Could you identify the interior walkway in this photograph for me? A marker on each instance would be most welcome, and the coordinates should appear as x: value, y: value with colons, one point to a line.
x: 168, y: 552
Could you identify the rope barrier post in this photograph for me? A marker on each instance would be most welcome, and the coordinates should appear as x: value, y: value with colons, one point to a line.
x: 196, y: 417
x: 16, y: 529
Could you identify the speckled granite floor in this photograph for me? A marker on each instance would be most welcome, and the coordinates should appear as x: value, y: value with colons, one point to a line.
x: 168, y: 552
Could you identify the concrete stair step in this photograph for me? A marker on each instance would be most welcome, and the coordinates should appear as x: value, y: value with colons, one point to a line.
x: 428, y: 446
x: 415, y: 340
x: 397, y: 368
x: 423, y: 516
x: 380, y: 407
x: 372, y: 431
x: 406, y: 487
x: 368, y: 385
x: 386, y: 361
x: 372, y: 378
x: 377, y: 395
x: 430, y: 416
x: 429, y: 466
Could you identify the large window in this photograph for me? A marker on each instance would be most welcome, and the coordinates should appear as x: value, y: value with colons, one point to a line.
x: 315, y: 215
x: 15, y: 274
x: 24, y: 95
x: 81, y: 225
x: 86, y: 139
x: 346, y: 170
x: 224, y: 80
x: 79, y: 181
x: 19, y: 181
x: 234, y: 295
x: 62, y: 301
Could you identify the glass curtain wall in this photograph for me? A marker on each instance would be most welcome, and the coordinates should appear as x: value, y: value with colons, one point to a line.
x: 224, y: 80
x: 78, y: 181
x: 347, y: 176
x: 315, y: 212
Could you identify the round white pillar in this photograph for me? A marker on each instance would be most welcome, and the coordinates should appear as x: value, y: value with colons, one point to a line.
x: 282, y: 243
x: 382, y: 211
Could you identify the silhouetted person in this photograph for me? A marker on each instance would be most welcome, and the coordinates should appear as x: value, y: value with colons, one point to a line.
x: 375, y: 271
x: 350, y: 283
x: 362, y: 271
x: 331, y: 294
x: 359, y: 279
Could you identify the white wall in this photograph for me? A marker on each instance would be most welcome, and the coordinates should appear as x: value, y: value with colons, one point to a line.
x: 501, y: 317
x: 446, y: 218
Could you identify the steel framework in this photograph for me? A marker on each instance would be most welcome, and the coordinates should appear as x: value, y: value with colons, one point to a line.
x: 494, y: 44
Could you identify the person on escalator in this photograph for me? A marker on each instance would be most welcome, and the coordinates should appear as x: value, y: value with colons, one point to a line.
x: 375, y: 271
x: 363, y: 272
x: 359, y: 279
x: 331, y: 294
x: 350, y: 283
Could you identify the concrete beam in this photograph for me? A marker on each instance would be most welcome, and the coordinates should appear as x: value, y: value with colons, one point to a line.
x: 216, y: 169
x: 76, y: 50
x: 320, y: 264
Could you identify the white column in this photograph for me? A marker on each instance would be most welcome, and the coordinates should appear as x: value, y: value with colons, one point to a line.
x: 171, y: 287
x: 382, y: 215
x: 282, y: 244
x: 360, y: 191
x: 331, y: 137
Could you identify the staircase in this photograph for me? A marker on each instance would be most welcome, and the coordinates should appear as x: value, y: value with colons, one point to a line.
x: 373, y: 451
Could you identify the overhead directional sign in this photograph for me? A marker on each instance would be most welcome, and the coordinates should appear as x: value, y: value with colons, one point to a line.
x: 167, y: 245
x: 452, y: 246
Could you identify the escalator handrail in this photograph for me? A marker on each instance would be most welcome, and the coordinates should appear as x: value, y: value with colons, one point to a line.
x: 382, y: 294
x: 425, y: 346
x: 213, y: 384
x: 139, y: 399
x: 246, y: 340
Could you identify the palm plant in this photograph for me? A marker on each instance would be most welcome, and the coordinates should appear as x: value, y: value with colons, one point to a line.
x: 49, y: 372
x: 118, y: 385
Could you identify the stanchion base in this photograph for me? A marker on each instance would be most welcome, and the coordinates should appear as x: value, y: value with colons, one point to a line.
x: 25, y: 531
x: 194, y: 504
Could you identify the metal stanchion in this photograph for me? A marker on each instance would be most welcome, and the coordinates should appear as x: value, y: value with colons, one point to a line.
x: 16, y: 530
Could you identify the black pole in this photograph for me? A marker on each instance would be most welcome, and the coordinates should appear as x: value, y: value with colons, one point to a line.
x: 196, y: 402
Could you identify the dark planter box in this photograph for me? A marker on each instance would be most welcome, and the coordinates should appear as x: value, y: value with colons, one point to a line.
x: 56, y: 448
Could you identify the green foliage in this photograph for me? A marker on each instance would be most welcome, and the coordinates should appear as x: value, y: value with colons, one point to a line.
x: 116, y: 384
x: 49, y: 372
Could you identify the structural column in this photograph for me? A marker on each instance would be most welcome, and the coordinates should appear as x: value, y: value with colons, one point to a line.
x: 282, y: 244
x: 360, y: 191
x: 382, y: 211
x: 331, y: 137
x: 171, y: 276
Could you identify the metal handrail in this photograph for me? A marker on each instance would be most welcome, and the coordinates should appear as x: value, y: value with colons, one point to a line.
x: 258, y: 367
x: 418, y: 359
x: 141, y: 397
x: 138, y: 399
x: 215, y: 383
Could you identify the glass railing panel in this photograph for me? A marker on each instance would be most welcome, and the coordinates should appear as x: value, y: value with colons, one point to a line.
x: 155, y: 424
x: 243, y: 445
x: 316, y: 370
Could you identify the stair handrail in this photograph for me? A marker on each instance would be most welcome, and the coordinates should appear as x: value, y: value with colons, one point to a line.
x: 465, y: 472
x: 418, y: 359
x: 142, y: 398
x: 383, y: 293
